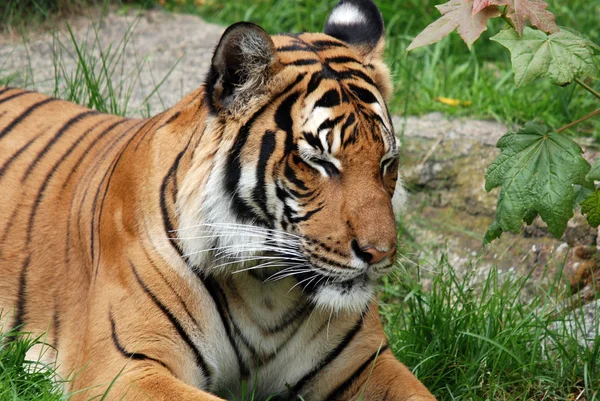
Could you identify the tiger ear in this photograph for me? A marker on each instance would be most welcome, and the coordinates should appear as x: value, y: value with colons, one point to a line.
x: 360, y: 24
x: 241, y: 65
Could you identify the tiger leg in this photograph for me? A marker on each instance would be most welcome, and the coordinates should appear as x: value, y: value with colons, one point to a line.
x: 376, y: 374
x: 146, y: 381
x: 387, y: 379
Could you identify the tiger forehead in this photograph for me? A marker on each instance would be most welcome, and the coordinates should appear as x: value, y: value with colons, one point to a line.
x: 331, y: 119
x: 312, y: 49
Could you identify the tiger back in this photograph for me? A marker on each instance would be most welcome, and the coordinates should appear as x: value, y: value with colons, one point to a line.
x: 234, y: 238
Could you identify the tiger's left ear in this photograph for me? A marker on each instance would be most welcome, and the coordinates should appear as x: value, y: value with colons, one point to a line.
x: 359, y: 24
x: 242, y: 64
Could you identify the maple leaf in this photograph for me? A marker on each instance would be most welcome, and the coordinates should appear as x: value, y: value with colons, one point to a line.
x: 537, y: 170
x: 594, y: 174
x: 519, y: 11
x: 479, y: 5
x: 560, y: 57
x: 591, y: 208
x: 456, y: 14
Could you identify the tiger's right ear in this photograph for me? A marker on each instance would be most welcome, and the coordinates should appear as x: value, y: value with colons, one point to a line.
x: 360, y: 24
x: 241, y: 65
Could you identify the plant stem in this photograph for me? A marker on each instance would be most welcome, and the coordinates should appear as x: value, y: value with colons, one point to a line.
x: 592, y: 114
x: 506, y: 19
x: 587, y: 88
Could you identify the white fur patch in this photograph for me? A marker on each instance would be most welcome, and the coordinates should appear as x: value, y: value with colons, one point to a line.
x: 399, y: 198
x: 347, y: 14
x: 336, y: 298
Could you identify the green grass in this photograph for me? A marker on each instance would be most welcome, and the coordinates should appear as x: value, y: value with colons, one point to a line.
x: 22, y: 379
x: 484, y: 343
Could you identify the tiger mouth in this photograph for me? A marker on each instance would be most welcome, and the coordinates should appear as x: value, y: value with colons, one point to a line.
x: 312, y: 281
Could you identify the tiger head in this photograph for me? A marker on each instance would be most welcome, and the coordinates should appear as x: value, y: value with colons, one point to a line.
x: 306, y: 171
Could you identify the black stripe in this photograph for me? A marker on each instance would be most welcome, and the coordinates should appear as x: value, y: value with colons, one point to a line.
x: 342, y: 388
x: 7, y: 228
x: 156, y: 119
x: 164, y: 210
x: 364, y: 95
x: 331, y: 98
x: 56, y: 323
x: 290, y: 174
x: 327, y: 261
x: 349, y: 121
x: 178, y: 327
x: 294, y: 48
x: 130, y: 355
x: 302, y: 62
x: 89, y: 147
x: 13, y: 96
x: 288, y: 318
x: 329, y: 358
x: 55, y: 138
x: 260, y: 191
x: 341, y: 60
x: 283, y: 115
x: 323, y: 44
x: 7, y: 164
x: 20, y: 312
x: 313, y: 84
x: 53, y: 170
x: 306, y: 215
x: 23, y: 116
x: 351, y: 73
x: 214, y: 290
x: 182, y: 302
x: 327, y: 124
x: 4, y: 90
x: 313, y: 141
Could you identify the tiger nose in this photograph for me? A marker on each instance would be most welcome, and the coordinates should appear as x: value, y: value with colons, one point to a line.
x: 377, y: 255
x: 371, y: 254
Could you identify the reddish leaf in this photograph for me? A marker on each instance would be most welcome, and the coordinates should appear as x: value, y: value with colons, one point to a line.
x: 456, y: 14
x: 519, y: 11
x: 479, y: 5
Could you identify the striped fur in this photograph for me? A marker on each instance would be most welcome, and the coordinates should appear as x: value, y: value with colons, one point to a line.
x: 229, y: 239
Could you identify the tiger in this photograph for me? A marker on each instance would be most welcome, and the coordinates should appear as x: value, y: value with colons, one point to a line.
x: 230, y: 242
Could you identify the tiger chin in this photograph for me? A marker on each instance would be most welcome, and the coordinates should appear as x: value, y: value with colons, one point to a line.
x: 234, y: 238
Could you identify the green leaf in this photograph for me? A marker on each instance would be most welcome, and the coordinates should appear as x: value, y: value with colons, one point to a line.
x: 494, y: 232
x: 561, y: 57
x: 594, y: 174
x: 536, y: 170
x: 582, y: 192
x: 591, y: 208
